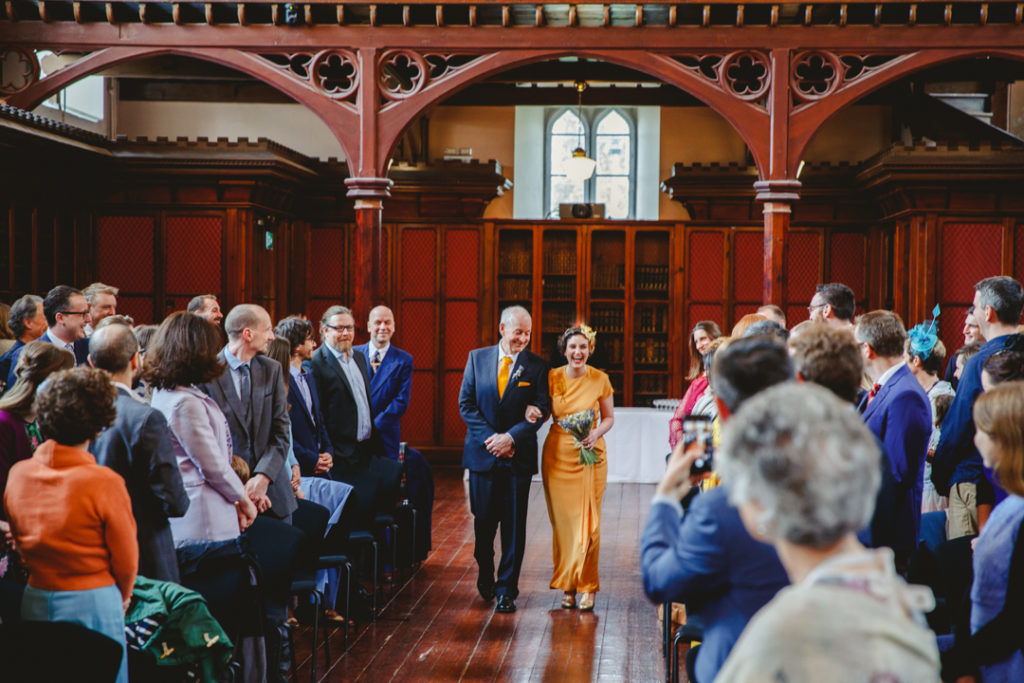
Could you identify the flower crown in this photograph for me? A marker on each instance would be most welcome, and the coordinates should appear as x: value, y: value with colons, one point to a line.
x: 589, y: 333
x: 923, y: 336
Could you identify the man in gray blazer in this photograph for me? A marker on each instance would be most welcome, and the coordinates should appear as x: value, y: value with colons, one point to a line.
x: 251, y: 394
x: 137, y: 446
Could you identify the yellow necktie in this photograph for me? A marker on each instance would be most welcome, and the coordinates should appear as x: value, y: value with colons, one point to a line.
x: 503, y: 375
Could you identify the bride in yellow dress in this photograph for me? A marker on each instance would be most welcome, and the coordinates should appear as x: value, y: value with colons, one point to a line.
x: 574, y: 491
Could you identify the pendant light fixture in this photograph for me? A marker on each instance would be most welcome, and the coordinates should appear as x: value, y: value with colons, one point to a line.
x: 579, y: 166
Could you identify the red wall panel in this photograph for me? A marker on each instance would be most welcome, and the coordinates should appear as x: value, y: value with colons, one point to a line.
x: 461, y: 331
x: 803, y: 270
x: 418, y: 421
x: 124, y: 252
x: 413, y: 316
x: 847, y: 261
x: 1018, y: 252
x: 315, y: 310
x: 192, y: 252
x: 326, y: 275
x: 139, y: 308
x: 454, y: 427
x: 748, y: 266
x: 705, y: 266
x: 970, y: 252
x: 419, y: 260
x: 462, y: 264
x: 951, y: 328
x: 698, y: 312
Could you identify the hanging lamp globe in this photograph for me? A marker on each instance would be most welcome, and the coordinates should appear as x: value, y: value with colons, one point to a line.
x: 579, y: 166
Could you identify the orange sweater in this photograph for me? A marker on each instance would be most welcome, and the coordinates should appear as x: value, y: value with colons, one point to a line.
x: 72, y: 521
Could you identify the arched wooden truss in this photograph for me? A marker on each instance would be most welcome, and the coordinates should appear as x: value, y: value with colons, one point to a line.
x: 369, y: 81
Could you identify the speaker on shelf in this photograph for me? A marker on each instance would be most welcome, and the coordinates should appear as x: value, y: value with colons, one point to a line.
x: 578, y: 211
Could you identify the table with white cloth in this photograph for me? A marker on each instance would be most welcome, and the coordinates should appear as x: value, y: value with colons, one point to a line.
x: 637, y: 445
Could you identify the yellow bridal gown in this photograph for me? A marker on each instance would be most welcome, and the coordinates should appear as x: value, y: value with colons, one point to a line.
x: 573, y: 491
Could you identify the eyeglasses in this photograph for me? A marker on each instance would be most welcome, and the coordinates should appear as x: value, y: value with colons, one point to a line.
x: 813, y: 307
x: 85, y: 312
x: 342, y: 328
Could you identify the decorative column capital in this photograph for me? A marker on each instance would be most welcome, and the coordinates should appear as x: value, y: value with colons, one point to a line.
x: 369, y: 192
x: 778, y: 190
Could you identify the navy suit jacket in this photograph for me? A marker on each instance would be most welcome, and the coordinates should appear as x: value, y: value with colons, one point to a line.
x: 901, y: 417
x: 709, y: 561
x: 485, y: 414
x: 390, y: 388
x: 309, y: 433
x: 81, y: 354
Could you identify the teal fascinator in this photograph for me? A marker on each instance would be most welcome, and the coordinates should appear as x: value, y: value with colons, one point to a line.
x: 923, y: 336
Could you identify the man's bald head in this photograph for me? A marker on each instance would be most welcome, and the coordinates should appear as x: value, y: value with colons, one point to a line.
x: 381, y: 326
x: 244, y: 316
x: 112, y: 348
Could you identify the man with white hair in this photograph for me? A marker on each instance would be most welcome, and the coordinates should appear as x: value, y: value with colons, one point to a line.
x: 102, y: 302
x: 500, y: 450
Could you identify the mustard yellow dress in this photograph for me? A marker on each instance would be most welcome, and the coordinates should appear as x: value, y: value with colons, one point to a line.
x: 573, y: 491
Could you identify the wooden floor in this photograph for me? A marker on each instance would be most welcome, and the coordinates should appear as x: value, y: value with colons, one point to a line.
x: 436, y: 627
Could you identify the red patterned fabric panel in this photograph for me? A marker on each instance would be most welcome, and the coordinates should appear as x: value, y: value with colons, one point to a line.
x: 454, y: 427
x: 1018, y: 252
x: 124, y: 253
x: 951, y: 328
x: 847, y: 261
x: 706, y: 256
x: 413, y: 316
x: 315, y: 310
x: 418, y: 421
x: 748, y: 266
x: 698, y: 312
x: 462, y: 264
x: 970, y: 252
x: 802, y: 265
x: 461, y: 332
x: 796, y: 314
x: 740, y: 310
x: 419, y: 259
x: 140, y: 308
x: 326, y: 276
x: 192, y: 253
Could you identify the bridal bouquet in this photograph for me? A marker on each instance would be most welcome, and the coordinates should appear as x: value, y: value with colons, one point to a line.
x: 579, y: 425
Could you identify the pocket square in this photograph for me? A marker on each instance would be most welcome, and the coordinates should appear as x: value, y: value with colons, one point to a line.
x: 524, y: 384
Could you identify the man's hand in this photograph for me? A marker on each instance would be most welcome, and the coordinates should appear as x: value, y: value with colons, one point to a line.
x: 246, y: 510
x: 125, y: 604
x: 500, y: 445
x: 324, y: 464
x: 677, y: 480
x: 533, y: 413
x: 296, y: 478
x: 256, y: 489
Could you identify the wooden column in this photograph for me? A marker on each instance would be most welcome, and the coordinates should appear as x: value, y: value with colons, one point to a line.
x: 778, y: 197
x: 367, y: 286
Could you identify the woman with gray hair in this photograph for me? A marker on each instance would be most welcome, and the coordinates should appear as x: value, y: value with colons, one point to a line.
x: 803, y: 471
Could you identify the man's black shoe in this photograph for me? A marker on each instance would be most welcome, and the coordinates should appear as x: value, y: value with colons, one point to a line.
x: 506, y: 605
x: 486, y: 592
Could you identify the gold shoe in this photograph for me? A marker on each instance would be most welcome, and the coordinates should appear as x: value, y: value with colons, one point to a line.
x: 587, y: 602
x: 569, y: 601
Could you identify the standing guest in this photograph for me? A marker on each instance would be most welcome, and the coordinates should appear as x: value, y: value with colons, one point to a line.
x: 310, y: 441
x: 390, y: 390
x: 67, y: 314
x: 102, y: 302
x: 500, y: 450
x: 19, y: 431
x: 972, y: 335
x: 71, y: 518
x: 924, y: 355
x: 702, y: 555
x: 703, y: 333
x: 206, y: 306
x: 251, y: 395
x: 138, y: 447
x: 957, y: 469
x: 342, y: 378
x: 804, y: 471
x: 28, y: 323
x: 144, y: 333
x: 773, y: 312
x: 833, y: 303
x: 897, y: 411
x: 574, y: 490
x: 997, y: 601
x: 7, y: 336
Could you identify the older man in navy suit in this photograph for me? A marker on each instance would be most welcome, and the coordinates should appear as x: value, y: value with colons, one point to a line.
x: 898, y: 412
x: 500, y: 451
x: 390, y: 390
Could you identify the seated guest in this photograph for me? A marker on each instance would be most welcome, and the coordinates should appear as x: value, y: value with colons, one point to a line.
x: 71, y: 518
x: 19, y: 432
x: 144, y: 333
x: 7, y: 336
x: 898, y: 413
x: 924, y: 354
x: 27, y: 323
x: 1001, y: 367
x: 703, y: 556
x: 773, y: 313
x: 138, y: 447
x: 183, y: 357
x: 768, y: 328
x: 703, y: 333
x: 803, y: 471
x: 993, y: 648
x: 743, y: 323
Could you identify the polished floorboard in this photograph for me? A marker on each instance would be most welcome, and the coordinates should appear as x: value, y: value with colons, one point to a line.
x: 437, y: 628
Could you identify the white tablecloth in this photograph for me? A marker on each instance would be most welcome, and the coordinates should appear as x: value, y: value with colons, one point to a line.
x: 637, y: 445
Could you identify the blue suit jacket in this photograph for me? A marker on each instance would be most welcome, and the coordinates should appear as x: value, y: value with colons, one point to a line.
x: 901, y: 417
x: 390, y: 388
x: 81, y: 354
x: 309, y: 433
x: 709, y: 561
x: 485, y: 414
